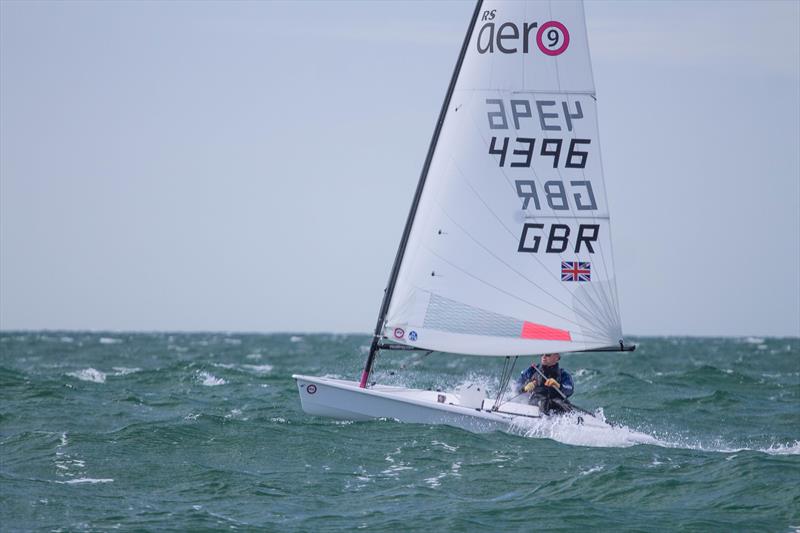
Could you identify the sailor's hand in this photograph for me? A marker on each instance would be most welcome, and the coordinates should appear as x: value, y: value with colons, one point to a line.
x: 529, y: 387
x: 552, y: 383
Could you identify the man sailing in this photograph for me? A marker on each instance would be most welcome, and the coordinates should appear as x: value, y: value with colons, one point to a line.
x: 544, y: 381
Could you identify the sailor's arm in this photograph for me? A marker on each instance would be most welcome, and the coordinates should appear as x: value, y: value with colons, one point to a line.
x: 522, y: 380
x: 567, y: 387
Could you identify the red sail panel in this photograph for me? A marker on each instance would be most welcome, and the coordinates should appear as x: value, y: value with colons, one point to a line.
x: 545, y: 333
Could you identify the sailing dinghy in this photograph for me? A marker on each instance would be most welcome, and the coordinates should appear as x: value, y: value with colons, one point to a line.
x: 507, y: 246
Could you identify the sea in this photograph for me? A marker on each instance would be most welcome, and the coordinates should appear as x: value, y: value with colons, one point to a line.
x: 105, y: 431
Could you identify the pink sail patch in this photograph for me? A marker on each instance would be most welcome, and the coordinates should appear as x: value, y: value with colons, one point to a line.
x: 540, y: 332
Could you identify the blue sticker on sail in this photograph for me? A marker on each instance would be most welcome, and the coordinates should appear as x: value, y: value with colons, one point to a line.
x: 412, y: 335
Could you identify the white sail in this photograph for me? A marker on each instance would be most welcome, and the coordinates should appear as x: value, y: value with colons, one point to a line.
x: 510, y: 249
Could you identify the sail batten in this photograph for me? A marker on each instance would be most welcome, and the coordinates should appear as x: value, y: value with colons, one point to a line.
x: 508, y: 251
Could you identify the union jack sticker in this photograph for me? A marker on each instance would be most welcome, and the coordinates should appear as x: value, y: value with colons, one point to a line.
x: 576, y: 271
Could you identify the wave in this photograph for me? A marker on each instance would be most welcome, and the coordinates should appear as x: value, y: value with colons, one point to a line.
x: 597, y: 432
x: 89, y: 374
x: 85, y: 480
x: 582, y: 430
x: 209, y: 380
x: 772, y: 449
x: 259, y: 369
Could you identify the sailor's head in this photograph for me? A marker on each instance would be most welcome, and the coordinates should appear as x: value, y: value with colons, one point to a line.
x: 550, y: 359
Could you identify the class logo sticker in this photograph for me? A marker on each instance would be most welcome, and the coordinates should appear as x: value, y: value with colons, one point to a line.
x: 552, y: 38
x: 311, y: 389
x: 399, y: 333
x: 412, y: 335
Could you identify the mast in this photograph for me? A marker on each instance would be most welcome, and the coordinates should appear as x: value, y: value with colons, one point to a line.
x: 398, y: 259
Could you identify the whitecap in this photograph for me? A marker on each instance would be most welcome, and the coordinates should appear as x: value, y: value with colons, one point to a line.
x: 181, y: 349
x: 253, y: 356
x: 783, y: 449
x: 210, y: 380
x: 434, y: 482
x: 85, y: 480
x: 89, y: 374
x: 259, y: 369
x: 592, y: 470
x: 295, y: 338
x: 754, y: 340
x: 124, y: 371
x: 445, y: 446
x: 109, y: 340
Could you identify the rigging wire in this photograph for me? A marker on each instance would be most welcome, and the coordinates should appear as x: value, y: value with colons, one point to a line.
x: 505, y: 376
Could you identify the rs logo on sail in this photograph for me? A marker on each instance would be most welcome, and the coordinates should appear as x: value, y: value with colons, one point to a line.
x: 552, y: 38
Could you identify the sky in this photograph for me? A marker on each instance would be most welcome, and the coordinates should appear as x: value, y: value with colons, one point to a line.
x: 203, y: 166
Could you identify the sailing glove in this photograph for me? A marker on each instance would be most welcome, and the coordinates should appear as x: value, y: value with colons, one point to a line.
x: 552, y: 383
x: 529, y: 387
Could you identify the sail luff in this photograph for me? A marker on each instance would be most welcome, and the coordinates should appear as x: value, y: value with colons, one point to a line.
x: 387, y: 295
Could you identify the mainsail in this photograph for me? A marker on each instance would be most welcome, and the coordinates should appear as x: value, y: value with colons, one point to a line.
x: 508, y: 247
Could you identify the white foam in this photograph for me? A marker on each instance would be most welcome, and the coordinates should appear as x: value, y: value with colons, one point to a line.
x: 89, y: 374
x: 109, y: 340
x: 445, y: 446
x: 253, y: 356
x: 585, y: 373
x: 722, y: 447
x: 594, y: 432
x: 259, y: 369
x: 564, y: 429
x: 210, y: 380
x: 782, y: 449
x: 85, y: 480
x: 295, y: 338
x: 754, y: 340
x: 124, y: 371
x: 592, y: 470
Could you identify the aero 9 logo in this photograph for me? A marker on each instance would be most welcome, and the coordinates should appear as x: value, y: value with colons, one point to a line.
x: 552, y: 38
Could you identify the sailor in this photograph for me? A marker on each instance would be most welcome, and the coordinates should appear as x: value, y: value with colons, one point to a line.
x: 545, y: 389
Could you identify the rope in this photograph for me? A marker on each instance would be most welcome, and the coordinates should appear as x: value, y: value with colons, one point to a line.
x: 508, y: 371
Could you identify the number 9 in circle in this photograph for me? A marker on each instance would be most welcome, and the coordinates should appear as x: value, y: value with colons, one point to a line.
x: 552, y: 38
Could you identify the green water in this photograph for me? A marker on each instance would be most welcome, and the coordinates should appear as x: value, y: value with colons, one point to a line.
x: 102, y: 431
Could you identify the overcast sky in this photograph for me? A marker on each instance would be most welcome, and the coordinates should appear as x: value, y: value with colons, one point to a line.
x: 249, y: 166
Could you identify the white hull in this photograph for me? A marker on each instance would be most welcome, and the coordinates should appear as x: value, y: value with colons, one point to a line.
x: 345, y: 400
